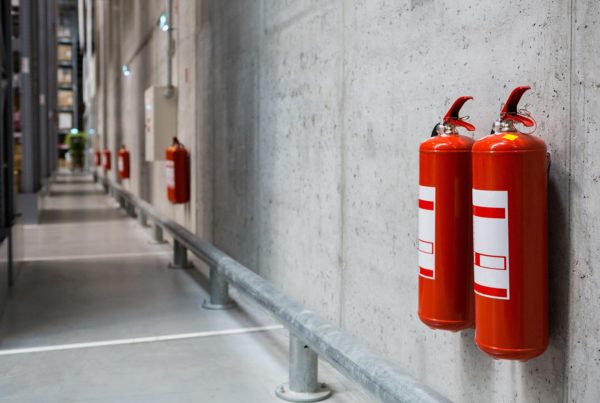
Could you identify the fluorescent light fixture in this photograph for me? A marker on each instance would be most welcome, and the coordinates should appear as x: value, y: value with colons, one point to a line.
x: 163, y: 22
x: 74, y: 130
x: 125, y: 70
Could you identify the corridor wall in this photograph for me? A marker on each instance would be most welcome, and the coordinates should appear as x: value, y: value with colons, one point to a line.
x: 304, y: 118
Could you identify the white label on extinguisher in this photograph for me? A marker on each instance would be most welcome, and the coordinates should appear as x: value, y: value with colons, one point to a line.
x: 427, y: 232
x: 120, y: 163
x: 490, y: 243
x: 170, y: 174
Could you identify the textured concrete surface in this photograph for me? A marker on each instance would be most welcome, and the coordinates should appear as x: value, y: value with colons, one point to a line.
x: 129, y: 35
x: 308, y: 118
x: 78, y: 289
x: 582, y: 277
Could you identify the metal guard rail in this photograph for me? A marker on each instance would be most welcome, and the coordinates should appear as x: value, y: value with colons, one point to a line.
x: 346, y: 354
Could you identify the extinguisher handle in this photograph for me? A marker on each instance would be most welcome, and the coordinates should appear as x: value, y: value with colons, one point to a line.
x: 176, y: 142
x: 510, y: 109
x: 452, y: 116
x: 527, y: 121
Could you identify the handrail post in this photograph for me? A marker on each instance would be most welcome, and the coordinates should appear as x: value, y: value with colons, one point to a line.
x: 142, y: 218
x: 304, y: 384
x: 130, y: 208
x: 180, y: 258
x: 219, y: 292
x: 157, y: 234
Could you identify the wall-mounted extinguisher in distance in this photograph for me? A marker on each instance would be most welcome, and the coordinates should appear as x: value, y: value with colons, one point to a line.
x: 106, y: 162
x: 123, y: 162
x: 178, y: 173
x: 97, y: 158
x: 510, y: 171
x: 445, y: 237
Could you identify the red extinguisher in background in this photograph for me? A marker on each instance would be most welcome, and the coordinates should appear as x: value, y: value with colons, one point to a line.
x: 106, y: 159
x: 178, y: 173
x: 123, y: 162
x: 510, y: 175
x: 445, y: 237
x: 97, y: 158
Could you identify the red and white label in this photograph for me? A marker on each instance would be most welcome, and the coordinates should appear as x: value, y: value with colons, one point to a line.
x: 490, y: 243
x: 120, y: 163
x: 427, y: 232
x: 170, y: 174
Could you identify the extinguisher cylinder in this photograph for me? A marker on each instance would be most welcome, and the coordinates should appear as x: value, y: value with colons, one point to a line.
x: 445, y: 238
x: 178, y: 174
x: 510, y: 245
x: 106, y: 160
x: 123, y: 163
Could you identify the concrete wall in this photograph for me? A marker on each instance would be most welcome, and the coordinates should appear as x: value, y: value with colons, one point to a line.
x: 128, y: 34
x: 304, y: 118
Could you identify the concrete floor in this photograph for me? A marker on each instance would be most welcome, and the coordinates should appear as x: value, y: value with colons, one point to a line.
x: 90, y: 275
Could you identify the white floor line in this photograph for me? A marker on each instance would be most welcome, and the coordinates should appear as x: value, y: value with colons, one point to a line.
x: 126, y: 221
x: 89, y: 257
x: 53, y: 226
x: 138, y: 340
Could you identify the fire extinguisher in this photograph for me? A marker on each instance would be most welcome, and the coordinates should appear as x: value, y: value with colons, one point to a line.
x: 510, y: 171
x: 178, y: 173
x: 445, y: 237
x: 106, y: 159
x: 123, y: 162
x: 97, y: 158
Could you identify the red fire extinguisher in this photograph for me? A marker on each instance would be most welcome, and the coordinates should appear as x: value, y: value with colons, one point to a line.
x: 445, y: 238
x: 97, y: 158
x: 106, y: 159
x: 510, y: 237
x: 178, y: 173
x: 123, y: 162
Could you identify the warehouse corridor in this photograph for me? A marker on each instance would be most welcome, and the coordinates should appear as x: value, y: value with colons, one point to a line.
x: 96, y: 315
x: 244, y: 201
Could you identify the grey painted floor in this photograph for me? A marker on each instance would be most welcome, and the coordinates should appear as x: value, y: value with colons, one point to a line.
x: 90, y: 275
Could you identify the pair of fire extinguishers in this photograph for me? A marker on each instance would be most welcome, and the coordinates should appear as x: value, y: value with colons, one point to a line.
x: 123, y: 157
x: 483, y: 232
